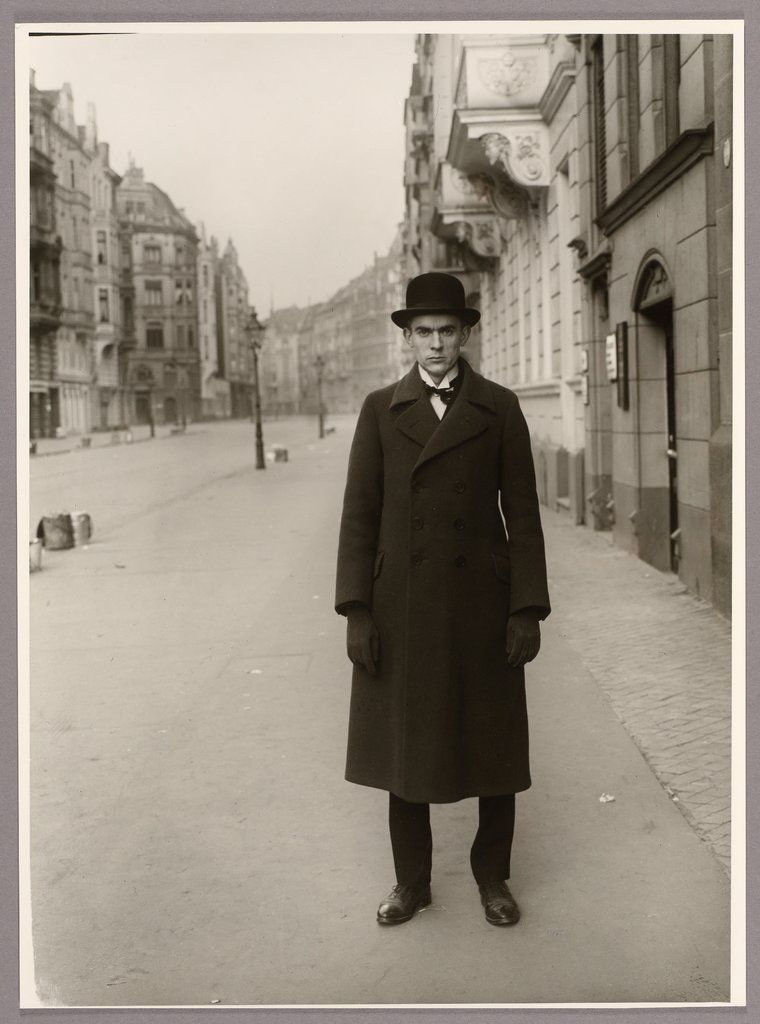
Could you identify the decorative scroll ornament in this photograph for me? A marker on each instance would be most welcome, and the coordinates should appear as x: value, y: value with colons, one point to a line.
x: 481, y: 234
x: 520, y: 155
x: 507, y: 199
x: 507, y: 75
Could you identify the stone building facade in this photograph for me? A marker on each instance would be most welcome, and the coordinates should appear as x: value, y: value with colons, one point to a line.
x: 232, y: 315
x: 215, y: 390
x: 583, y: 187
x: 108, y: 394
x: 74, y: 352
x: 280, y: 363
x: 45, y: 247
x: 159, y: 250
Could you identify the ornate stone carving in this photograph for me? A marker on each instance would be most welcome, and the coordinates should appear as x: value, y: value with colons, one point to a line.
x: 507, y: 75
x: 481, y: 234
x: 509, y: 201
x: 462, y: 183
x: 520, y: 155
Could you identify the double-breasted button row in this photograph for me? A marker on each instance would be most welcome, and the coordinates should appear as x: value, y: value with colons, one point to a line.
x: 459, y: 524
x: 417, y: 522
x: 417, y: 558
x: 459, y: 486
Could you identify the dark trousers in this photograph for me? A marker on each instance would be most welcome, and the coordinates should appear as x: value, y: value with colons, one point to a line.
x: 412, y: 839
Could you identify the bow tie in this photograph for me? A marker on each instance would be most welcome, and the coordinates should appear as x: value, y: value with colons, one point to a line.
x: 446, y: 395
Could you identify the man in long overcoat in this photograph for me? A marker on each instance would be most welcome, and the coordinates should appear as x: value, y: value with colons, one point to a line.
x: 443, y: 603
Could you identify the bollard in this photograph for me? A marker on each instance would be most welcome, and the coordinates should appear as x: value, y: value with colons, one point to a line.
x: 86, y: 442
x: 81, y: 527
x: 35, y: 555
x: 280, y: 453
x: 56, y: 531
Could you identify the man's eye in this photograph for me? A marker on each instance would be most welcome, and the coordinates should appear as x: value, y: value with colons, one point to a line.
x: 447, y: 332
x: 423, y: 332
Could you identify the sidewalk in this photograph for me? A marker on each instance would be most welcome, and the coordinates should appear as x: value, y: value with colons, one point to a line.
x: 107, y: 438
x: 662, y: 656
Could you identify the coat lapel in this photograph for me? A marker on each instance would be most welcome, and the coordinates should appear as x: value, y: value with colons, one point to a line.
x: 463, y: 421
x: 418, y: 421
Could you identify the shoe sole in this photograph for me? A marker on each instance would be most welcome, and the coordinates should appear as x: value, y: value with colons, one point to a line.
x: 386, y: 921
x: 502, y: 924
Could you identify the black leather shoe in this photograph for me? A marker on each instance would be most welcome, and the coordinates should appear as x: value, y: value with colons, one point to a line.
x: 499, y: 902
x: 401, y: 904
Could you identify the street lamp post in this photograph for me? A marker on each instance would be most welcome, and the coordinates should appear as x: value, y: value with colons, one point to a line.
x: 253, y: 331
x: 319, y: 364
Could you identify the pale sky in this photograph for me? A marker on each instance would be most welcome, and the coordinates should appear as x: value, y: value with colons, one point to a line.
x: 291, y: 144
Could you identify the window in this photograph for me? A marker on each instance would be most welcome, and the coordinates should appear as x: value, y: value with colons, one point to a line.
x: 631, y: 50
x: 190, y: 336
x: 154, y: 335
x: 126, y: 254
x: 130, y: 209
x: 205, y: 275
x: 188, y: 291
x: 153, y: 293
x: 36, y: 280
x: 597, y: 69
x: 205, y: 311
x: 102, y: 244
x: 103, y: 305
x: 179, y: 293
x: 180, y: 254
x: 127, y: 311
x: 72, y: 176
x: 180, y: 335
x: 152, y: 254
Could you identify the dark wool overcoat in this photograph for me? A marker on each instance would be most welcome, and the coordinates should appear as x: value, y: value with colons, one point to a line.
x: 423, y: 544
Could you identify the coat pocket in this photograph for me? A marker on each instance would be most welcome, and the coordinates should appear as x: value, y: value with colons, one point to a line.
x: 378, y: 564
x: 501, y: 566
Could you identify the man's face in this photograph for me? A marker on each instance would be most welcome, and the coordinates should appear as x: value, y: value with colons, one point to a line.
x: 436, y: 340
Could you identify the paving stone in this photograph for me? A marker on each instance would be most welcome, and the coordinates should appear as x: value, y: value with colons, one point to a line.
x: 661, y: 656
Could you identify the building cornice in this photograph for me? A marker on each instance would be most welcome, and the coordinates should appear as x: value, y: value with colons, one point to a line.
x: 559, y: 85
x: 690, y: 146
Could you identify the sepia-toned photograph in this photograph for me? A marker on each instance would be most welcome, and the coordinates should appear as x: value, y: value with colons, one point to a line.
x: 376, y: 393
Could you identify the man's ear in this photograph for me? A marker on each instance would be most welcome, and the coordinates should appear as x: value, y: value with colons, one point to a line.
x: 407, y: 335
x: 466, y: 333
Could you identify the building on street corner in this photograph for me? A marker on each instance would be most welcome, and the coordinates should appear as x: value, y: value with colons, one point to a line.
x: 109, y: 398
x: 232, y: 311
x: 160, y: 245
x: 215, y: 390
x: 580, y: 186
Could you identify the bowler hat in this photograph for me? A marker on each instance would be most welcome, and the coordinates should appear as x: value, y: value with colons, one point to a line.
x: 435, y: 293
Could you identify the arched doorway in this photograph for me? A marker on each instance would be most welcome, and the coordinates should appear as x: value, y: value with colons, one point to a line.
x: 658, y: 527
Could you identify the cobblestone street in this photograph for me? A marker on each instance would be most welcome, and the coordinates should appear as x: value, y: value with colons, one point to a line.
x: 663, y: 658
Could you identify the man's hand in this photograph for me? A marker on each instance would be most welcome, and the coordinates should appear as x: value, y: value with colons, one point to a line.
x: 362, y: 639
x: 523, y: 638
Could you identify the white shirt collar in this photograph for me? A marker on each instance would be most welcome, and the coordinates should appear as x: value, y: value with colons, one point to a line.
x: 446, y: 380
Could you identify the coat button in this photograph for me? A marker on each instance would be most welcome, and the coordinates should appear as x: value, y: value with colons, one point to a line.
x: 416, y: 558
x: 459, y: 524
x: 459, y: 486
x: 418, y: 488
x: 417, y: 522
x: 460, y: 561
